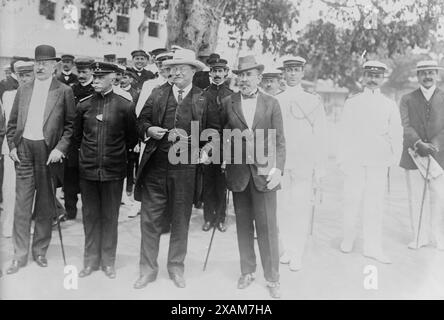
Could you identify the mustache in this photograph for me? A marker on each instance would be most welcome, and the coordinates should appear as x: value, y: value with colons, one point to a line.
x: 428, y: 79
x: 372, y: 83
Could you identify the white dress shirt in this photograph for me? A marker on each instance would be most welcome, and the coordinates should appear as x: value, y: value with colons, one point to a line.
x: 428, y: 93
x: 185, y: 92
x: 249, y: 109
x: 34, y: 121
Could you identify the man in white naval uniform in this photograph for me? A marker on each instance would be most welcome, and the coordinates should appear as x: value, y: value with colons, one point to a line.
x: 422, y: 113
x: 305, y: 125
x: 370, y: 142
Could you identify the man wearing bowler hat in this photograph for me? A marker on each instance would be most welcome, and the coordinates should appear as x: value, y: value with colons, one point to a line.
x: 105, y: 128
x: 140, y: 61
x: 253, y: 181
x: 214, y: 188
x: 67, y: 76
x: 38, y: 132
x: 422, y: 115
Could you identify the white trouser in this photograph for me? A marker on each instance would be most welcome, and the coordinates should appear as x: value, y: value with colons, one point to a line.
x: 294, y: 211
x: 364, y: 189
x: 7, y: 215
x: 432, y: 227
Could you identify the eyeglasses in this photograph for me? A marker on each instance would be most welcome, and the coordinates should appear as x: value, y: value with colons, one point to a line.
x: 44, y: 63
x: 181, y: 69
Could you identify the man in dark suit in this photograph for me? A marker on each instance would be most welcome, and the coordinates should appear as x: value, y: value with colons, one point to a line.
x: 252, y: 180
x: 214, y: 186
x: 163, y: 186
x: 71, y: 185
x: 140, y: 61
x: 38, y: 132
x: 105, y: 128
x: 422, y: 116
x: 67, y: 76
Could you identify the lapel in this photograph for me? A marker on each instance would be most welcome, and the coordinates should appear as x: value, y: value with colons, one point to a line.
x: 53, y: 96
x: 237, y: 107
x: 197, y: 99
x: 437, y: 101
x: 163, y: 101
x: 260, y: 110
x: 418, y: 105
x: 24, y: 107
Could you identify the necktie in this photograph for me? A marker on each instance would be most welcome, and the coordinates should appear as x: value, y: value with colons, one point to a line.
x: 180, y: 96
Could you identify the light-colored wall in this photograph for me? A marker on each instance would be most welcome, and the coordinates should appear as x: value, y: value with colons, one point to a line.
x: 23, y: 28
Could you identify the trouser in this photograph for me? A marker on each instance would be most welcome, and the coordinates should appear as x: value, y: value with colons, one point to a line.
x: 32, y: 178
x: 364, y: 189
x: 71, y: 188
x: 2, y: 169
x: 214, y: 194
x: 257, y: 209
x: 131, y: 169
x: 295, y: 207
x: 101, y: 203
x: 432, y: 221
x: 167, y: 189
x: 7, y: 215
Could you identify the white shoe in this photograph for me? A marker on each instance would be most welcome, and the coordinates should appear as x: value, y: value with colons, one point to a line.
x: 295, y: 264
x: 285, y: 258
x: 346, y: 245
x: 381, y: 257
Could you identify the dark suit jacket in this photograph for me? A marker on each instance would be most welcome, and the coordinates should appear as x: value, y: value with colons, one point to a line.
x: 152, y: 115
x: 72, y: 79
x: 422, y: 123
x: 58, y: 116
x: 2, y: 126
x: 267, y: 116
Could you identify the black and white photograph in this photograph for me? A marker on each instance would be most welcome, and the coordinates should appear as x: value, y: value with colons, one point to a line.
x: 221, y: 150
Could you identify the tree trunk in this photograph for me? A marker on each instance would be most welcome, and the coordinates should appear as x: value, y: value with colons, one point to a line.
x: 194, y: 24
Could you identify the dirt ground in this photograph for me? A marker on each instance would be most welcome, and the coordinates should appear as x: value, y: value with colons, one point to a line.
x: 327, y: 273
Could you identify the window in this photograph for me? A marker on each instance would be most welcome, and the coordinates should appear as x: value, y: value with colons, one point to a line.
x: 123, y: 19
x: 47, y: 9
x: 87, y: 17
x: 153, y: 29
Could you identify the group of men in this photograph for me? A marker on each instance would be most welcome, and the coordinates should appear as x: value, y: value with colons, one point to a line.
x: 90, y: 125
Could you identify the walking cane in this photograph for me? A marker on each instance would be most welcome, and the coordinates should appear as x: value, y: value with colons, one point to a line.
x: 58, y: 221
x: 227, y: 194
x: 423, y: 200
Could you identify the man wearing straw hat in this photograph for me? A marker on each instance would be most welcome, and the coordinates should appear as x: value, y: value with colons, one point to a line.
x: 39, y: 132
x: 254, y: 182
x: 271, y: 81
x: 422, y: 116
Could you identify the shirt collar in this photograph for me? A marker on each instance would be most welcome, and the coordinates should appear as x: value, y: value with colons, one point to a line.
x: 107, y: 92
x: 217, y: 85
x: 13, y: 75
x: 66, y: 73
x: 138, y: 70
x: 87, y: 82
x: 46, y: 82
x: 251, y: 95
x: 186, y: 90
x: 127, y: 88
x: 429, y: 91
x: 370, y: 91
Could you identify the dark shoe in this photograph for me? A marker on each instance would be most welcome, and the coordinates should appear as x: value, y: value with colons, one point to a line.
x: 245, y: 280
x: 86, y: 271
x: 178, y: 280
x: 110, y: 272
x: 275, y: 290
x: 41, y: 261
x: 143, y: 281
x: 221, y: 227
x: 14, y: 267
x: 207, y: 226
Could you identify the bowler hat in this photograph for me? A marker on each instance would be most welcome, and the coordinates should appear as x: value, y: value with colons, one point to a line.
x: 44, y: 52
x: 248, y: 63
